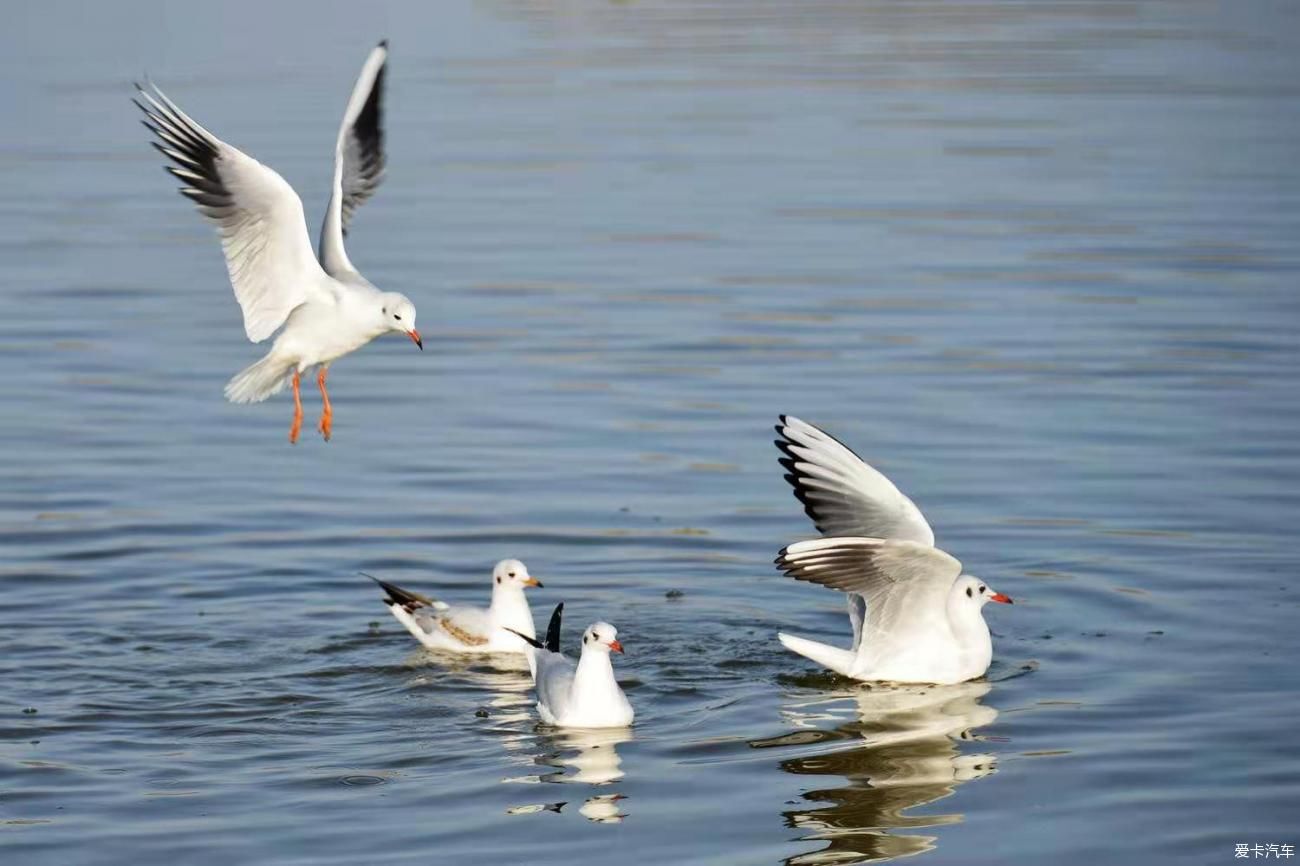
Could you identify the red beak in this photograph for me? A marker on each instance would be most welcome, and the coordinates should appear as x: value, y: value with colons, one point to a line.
x: 415, y: 338
x: 616, y: 646
x: 999, y: 597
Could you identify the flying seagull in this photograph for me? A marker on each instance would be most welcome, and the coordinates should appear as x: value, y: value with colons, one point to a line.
x: 323, y: 308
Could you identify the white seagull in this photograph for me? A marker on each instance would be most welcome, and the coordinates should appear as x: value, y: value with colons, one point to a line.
x: 584, y: 695
x: 916, y: 618
x: 466, y: 629
x: 326, y: 308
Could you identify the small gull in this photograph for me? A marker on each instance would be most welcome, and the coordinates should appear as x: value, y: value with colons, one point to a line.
x: 916, y: 618
x: 326, y: 308
x: 466, y: 629
x: 584, y: 695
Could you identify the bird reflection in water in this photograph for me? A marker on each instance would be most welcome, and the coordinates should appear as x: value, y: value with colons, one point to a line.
x: 897, y: 748
x: 585, y: 756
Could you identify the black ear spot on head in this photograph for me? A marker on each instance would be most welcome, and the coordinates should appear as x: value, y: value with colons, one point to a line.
x: 968, y: 593
x: 584, y: 638
x: 383, y: 310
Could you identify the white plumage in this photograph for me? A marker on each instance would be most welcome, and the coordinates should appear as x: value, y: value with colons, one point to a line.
x: 582, y: 695
x: 915, y: 616
x: 324, y: 309
x: 464, y: 628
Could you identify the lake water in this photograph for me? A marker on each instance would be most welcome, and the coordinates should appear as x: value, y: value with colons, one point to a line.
x: 1036, y: 261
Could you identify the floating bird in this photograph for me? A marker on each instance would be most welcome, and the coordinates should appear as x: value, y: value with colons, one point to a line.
x: 326, y: 308
x: 465, y: 629
x: 585, y: 695
x: 916, y: 618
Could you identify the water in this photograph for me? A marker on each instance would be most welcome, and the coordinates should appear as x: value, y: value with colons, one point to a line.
x: 1037, y: 261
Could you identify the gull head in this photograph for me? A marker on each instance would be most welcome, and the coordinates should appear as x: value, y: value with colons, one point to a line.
x: 512, y: 574
x: 971, y: 590
x: 398, y: 314
x: 601, y: 637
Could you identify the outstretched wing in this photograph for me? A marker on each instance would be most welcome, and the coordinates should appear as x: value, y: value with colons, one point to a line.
x: 358, y: 160
x: 840, y: 492
x: 258, y: 215
x: 905, y: 584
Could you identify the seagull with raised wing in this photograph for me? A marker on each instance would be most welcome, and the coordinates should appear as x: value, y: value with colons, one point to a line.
x: 916, y: 618
x: 323, y: 309
x: 582, y: 695
x: 466, y: 629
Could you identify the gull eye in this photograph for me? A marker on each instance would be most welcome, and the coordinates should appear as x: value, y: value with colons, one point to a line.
x: 968, y: 593
x: 983, y: 589
x: 397, y: 317
x: 512, y: 574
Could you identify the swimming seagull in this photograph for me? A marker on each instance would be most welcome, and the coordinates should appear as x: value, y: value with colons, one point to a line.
x: 466, y: 629
x: 916, y: 618
x: 585, y: 695
x: 327, y: 309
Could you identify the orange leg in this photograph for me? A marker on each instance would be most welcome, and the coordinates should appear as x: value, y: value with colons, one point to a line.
x: 327, y: 411
x: 297, y: 410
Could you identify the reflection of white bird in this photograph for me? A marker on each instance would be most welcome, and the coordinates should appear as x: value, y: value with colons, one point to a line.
x: 603, y: 809
x: 916, y: 617
x: 597, y: 761
x: 465, y: 629
x: 585, y: 695
x: 327, y: 309
x: 901, y: 715
x: 896, y: 748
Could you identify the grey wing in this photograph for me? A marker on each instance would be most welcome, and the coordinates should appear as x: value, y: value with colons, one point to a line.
x: 841, y: 492
x: 857, y: 614
x: 904, y: 584
x: 469, y: 626
x: 554, y: 680
x: 359, y: 160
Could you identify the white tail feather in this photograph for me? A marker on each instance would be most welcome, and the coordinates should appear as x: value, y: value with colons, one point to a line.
x: 258, y: 381
x: 412, y: 626
x: 838, y: 660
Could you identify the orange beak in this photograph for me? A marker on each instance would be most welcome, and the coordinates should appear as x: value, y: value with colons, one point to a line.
x: 415, y: 338
x: 532, y: 581
x: 999, y: 597
x: 615, y: 646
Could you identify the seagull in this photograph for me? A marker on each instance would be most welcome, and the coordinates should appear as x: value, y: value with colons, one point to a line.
x: 325, y: 308
x: 581, y: 696
x: 465, y: 629
x: 916, y: 618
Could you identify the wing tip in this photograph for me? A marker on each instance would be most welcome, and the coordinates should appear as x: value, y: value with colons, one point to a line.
x: 531, y: 641
x: 553, y: 628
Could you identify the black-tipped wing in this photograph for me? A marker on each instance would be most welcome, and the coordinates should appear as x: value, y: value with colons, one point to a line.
x: 905, y: 584
x: 359, y: 159
x: 553, y: 628
x: 258, y: 215
x: 869, y: 566
x: 531, y: 641
x: 404, y: 598
x: 842, y: 493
